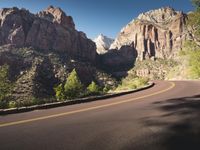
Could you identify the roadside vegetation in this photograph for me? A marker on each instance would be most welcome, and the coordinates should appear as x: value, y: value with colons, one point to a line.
x: 193, y: 22
x: 187, y: 66
x: 5, y: 87
x: 189, y: 57
x: 129, y: 83
x: 73, y: 88
x: 93, y: 89
x: 157, y: 69
x: 132, y: 81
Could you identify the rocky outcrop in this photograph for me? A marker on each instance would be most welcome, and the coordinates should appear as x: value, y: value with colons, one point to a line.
x: 103, y: 43
x: 49, y: 30
x: 56, y: 15
x: 155, y: 34
x: 35, y: 82
x: 117, y: 61
x: 34, y: 74
x: 41, y: 50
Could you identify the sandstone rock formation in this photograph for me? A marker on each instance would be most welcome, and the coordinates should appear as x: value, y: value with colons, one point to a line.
x: 155, y: 34
x: 118, y: 61
x: 49, y: 30
x: 56, y: 15
x: 103, y: 43
x: 41, y: 50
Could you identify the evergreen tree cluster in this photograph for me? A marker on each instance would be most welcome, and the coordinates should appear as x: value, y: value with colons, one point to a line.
x: 73, y: 88
x: 5, y: 86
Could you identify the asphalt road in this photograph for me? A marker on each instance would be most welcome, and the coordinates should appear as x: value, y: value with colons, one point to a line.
x: 165, y: 117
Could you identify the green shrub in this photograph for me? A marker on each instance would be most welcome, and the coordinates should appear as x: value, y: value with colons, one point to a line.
x: 194, y: 63
x: 93, y: 89
x: 141, y: 81
x: 107, y: 88
x: 190, y: 46
x: 72, y: 88
x: 132, y: 83
x: 189, y: 62
x: 59, y: 90
x: 3, y: 104
x: 5, y: 86
x: 12, y: 104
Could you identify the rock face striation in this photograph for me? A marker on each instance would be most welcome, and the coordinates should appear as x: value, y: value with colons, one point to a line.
x: 155, y: 34
x: 103, y: 43
x: 49, y: 30
x: 41, y: 50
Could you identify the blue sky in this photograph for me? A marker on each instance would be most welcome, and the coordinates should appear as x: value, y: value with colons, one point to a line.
x: 100, y: 16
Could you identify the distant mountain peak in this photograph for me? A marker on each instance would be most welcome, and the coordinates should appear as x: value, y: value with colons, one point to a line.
x: 57, y: 15
x: 102, y: 36
x: 159, y: 15
x: 103, y: 43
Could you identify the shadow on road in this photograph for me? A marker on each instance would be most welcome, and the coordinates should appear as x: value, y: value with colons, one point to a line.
x: 178, y: 127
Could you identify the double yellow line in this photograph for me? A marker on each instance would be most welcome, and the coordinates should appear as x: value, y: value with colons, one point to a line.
x: 85, y: 109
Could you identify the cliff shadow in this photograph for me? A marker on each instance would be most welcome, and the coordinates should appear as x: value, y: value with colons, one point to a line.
x: 118, y: 62
x: 180, y: 123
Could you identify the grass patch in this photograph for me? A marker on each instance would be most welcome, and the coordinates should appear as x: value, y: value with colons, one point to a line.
x: 132, y: 83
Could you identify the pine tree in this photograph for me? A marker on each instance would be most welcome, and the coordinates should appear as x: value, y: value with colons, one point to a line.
x: 5, y: 85
x: 59, y: 92
x: 93, y: 88
x: 73, y: 87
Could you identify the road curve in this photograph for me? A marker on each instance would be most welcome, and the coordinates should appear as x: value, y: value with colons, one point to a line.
x: 165, y: 117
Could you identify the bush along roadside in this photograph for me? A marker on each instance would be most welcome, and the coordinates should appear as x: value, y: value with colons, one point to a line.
x: 73, y: 91
x: 188, y: 62
x: 73, y: 88
x: 72, y: 101
x: 5, y: 87
x: 132, y: 83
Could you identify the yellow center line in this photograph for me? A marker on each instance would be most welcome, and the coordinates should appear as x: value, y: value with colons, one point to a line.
x: 85, y: 109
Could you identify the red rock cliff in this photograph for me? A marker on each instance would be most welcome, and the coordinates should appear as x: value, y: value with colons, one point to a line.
x: 157, y: 33
x: 50, y: 30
